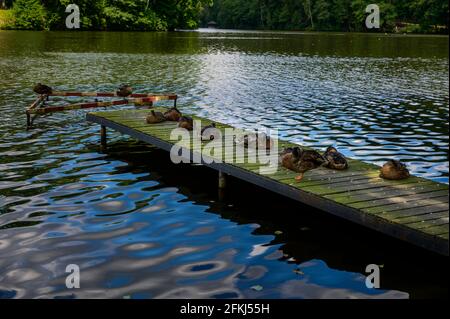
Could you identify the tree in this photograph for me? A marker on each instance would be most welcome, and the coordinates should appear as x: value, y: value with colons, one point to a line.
x: 180, y: 13
x: 132, y: 15
x: 29, y: 15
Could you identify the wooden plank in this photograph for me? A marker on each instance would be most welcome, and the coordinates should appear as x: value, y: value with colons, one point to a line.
x: 398, y: 199
x: 421, y: 217
x: 413, y: 211
x: 429, y: 223
x: 437, y: 230
x: 386, y: 193
x: 408, y: 204
x: 321, y: 176
x: 345, y: 182
x: 345, y: 187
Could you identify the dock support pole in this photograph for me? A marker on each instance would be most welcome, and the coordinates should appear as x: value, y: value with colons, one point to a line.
x: 103, y: 138
x: 28, y: 121
x: 222, y: 180
x: 222, y: 186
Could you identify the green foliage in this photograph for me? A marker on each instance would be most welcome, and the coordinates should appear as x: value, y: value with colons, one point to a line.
x: 180, y: 13
x: 29, y: 15
x: 430, y: 13
x: 132, y: 15
x: 6, y: 19
x: 327, y: 15
x: 141, y: 15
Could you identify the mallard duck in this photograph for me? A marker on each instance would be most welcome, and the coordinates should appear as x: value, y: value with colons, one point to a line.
x: 155, y: 117
x: 208, y: 129
x: 394, y: 170
x: 42, y: 89
x: 186, y: 123
x: 258, y: 141
x: 286, y: 158
x: 300, y: 160
x: 335, y: 160
x: 173, y: 114
x: 124, y: 91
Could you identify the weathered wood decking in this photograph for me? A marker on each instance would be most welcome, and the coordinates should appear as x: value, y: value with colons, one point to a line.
x: 415, y: 210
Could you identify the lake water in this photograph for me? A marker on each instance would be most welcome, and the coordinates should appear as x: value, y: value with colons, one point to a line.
x: 141, y: 227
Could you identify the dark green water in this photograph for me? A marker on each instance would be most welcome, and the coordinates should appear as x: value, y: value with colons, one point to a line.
x: 139, y: 226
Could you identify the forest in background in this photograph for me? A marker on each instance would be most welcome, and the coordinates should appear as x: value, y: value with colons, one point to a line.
x: 114, y: 15
x: 328, y: 15
x: 417, y: 16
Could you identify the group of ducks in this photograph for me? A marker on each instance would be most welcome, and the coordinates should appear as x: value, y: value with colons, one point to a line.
x: 295, y: 159
x: 300, y: 160
x: 186, y: 122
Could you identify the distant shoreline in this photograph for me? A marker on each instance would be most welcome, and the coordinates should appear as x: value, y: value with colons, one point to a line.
x: 6, y: 17
x: 244, y: 31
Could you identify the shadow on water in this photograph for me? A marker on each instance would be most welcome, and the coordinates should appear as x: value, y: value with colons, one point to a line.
x: 304, y: 233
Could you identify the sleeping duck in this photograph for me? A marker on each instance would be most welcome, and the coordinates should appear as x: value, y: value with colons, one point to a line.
x: 186, y: 123
x: 42, y: 89
x: 299, y: 160
x: 394, y: 170
x: 335, y: 159
x: 207, y: 133
x: 155, y: 117
x: 124, y: 91
x: 258, y: 141
x: 173, y: 114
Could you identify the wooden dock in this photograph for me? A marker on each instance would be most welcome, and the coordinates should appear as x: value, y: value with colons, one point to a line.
x: 415, y: 210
